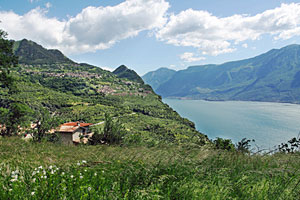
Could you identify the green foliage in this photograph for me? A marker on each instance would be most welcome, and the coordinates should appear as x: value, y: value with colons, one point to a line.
x: 44, y: 123
x: 112, y: 133
x: 224, y: 144
x: 16, y: 117
x: 51, y: 171
x: 244, y: 145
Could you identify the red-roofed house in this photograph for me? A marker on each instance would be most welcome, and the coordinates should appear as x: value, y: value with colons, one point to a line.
x: 71, y: 132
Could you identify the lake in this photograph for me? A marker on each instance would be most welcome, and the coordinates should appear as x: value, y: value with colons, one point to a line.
x: 269, y: 124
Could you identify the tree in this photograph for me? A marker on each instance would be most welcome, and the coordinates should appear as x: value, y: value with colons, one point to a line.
x: 112, y: 133
x: 7, y: 61
x: 16, y: 117
x: 14, y: 114
x: 44, y: 123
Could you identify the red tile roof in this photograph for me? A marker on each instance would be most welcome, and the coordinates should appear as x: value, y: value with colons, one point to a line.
x: 70, y: 127
x: 76, y: 124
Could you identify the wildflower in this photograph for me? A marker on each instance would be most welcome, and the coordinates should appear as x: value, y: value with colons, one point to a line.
x: 50, y: 167
x: 83, y: 161
x: 33, y: 180
x: 32, y: 193
x: 13, y: 180
x: 72, y: 176
x: 52, y: 172
x: 42, y: 176
x: 85, y: 170
x: 89, y: 188
x: 44, y: 172
x: 40, y: 167
x: 10, y: 190
x: 37, y: 171
x: 78, y: 164
x: 45, y: 177
x: 33, y: 173
x: 95, y: 174
x: 63, y: 173
x: 80, y: 177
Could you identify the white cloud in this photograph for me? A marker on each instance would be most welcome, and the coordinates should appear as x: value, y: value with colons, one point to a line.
x: 213, y: 35
x: 190, y: 57
x: 245, y: 45
x: 48, y: 5
x: 92, y: 29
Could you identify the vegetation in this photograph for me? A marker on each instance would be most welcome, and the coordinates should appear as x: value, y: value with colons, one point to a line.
x: 112, y: 133
x: 273, y: 76
x: 50, y: 171
x: 54, y: 88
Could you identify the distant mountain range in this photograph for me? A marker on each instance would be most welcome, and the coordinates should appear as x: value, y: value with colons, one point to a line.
x: 273, y: 76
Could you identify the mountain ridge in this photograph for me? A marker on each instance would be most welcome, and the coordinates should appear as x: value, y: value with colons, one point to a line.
x: 272, y: 76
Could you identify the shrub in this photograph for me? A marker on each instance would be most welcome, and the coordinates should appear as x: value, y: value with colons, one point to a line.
x: 112, y: 133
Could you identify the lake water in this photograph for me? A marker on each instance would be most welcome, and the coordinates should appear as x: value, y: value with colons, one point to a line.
x: 269, y: 124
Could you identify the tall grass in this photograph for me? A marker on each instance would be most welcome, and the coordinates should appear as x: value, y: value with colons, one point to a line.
x: 50, y: 171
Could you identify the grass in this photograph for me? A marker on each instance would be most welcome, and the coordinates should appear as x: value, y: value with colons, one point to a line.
x: 52, y: 171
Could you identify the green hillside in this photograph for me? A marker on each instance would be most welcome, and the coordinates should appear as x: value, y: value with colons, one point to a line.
x: 158, y: 77
x: 273, y: 76
x: 82, y: 92
x: 123, y: 72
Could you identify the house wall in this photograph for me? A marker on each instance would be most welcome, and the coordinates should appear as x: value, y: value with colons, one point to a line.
x: 77, y: 134
x: 66, y: 138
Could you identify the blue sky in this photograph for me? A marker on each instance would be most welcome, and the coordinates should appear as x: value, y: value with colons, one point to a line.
x: 148, y: 34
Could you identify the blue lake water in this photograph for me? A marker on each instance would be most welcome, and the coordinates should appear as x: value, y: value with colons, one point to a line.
x: 269, y: 124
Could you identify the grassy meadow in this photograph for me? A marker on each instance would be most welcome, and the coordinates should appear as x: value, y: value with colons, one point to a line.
x: 52, y: 171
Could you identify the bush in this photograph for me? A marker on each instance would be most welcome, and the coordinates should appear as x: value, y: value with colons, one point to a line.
x: 224, y: 144
x: 112, y: 133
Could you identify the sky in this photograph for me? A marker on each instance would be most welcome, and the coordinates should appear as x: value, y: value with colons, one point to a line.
x: 148, y: 34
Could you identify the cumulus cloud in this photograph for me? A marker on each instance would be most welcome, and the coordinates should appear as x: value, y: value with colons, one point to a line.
x: 190, y: 57
x: 214, y: 35
x: 92, y: 29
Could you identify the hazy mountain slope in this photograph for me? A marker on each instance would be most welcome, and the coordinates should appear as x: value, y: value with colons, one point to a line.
x: 84, y: 92
x: 158, y: 77
x: 273, y: 76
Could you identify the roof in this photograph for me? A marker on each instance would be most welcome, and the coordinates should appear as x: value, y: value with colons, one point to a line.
x: 71, y: 127
x: 76, y: 124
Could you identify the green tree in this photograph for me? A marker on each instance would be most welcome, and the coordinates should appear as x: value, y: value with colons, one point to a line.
x: 14, y: 115
x: 44, y: 123
x: 7, y: 61
x: 112, y: 133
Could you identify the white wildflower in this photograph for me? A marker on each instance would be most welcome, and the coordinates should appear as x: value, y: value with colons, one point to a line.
x: 95, y: 174
x: 50, y: 167
x: 52, y: 172
x: 78, y: 164
x: 80, y: 177
x: 32, y: 193
x: 89, y: 188
x: 72, y: 176
x: 40, y: 167
x: 63, y: 173
x: 45, y: 177
x: 83, y: 161
x: 33, y: 173
x: 33, y: 180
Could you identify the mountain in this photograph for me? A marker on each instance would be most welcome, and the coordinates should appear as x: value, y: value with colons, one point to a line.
x: 30, y: 52
x: 273, y: 76
x: 82, y: 92
x: 124, y: 72
x: 158, y: 77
